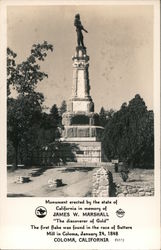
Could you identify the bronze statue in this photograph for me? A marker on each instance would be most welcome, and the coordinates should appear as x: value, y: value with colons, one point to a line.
x: 79, y: 28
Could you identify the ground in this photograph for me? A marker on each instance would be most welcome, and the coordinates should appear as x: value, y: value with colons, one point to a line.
x: 76, y: 178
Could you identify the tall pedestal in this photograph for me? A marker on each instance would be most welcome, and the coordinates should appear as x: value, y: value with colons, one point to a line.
x: 81, y: 124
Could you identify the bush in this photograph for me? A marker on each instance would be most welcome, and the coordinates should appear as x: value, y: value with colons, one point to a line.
x: 124, y: 175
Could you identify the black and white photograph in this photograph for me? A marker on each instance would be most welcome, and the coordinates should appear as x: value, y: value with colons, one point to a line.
x: 80, y: 125
x: 80, y: 113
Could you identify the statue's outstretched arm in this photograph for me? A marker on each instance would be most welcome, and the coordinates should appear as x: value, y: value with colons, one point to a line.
x: 84, y: 29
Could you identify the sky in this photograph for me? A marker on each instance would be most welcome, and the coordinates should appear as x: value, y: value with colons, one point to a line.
x: 119, y: 42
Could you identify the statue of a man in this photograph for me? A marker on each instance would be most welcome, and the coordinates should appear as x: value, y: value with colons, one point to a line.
x: 79, y: 28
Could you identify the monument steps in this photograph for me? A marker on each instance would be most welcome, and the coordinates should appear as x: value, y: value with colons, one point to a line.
x: 89, y: 164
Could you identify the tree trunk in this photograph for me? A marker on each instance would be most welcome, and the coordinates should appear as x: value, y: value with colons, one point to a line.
x: 131, y: 164
x: 16, y: 156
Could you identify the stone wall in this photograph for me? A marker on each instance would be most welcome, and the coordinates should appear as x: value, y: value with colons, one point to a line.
x: 102, y: 183
x: 134, y: 190
x: 104, y: 186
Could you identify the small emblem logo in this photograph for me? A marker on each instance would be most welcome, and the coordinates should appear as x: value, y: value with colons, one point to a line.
x: 120, y: 213
x: 40, y: 212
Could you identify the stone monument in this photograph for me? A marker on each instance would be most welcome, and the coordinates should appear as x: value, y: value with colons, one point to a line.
x: 81, y: 123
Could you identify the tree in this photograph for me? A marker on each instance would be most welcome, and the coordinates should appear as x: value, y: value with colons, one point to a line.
x: 63, y: 108
x: 24, y: 112
x: 55, y: 114
x: 129, y: 135
x: 56, y: 118
x: 102, y: 117
x: 109, y: 113
x: 11, y: 68
x: 49, y: 131
x: 26, y: 75
x: 105, y: 115
x: 23, y: 115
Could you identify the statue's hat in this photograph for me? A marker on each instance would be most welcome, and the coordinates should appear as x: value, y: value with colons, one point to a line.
x: 77, y: 15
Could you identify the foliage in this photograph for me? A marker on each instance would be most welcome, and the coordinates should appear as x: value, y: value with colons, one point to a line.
x: 124, y: 170
x: 105, y: 115
x: 11, y: 69
x: 95, y: 120
x: 129, y: 134
x: 26, y: 75
x: 23, y: 117
x: 62, y: 152
x: 124, y: 176
x: 56, y: 153
x: 24, y: 113
x: 10, y: 152
x: 63, y: 108
x: 56, y: 118
x: 102, y: 117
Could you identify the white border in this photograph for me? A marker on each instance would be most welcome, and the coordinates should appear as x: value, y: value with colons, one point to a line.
x: 155, y: 201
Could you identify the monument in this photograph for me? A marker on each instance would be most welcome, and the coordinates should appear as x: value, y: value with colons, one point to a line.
x: 81, y: 123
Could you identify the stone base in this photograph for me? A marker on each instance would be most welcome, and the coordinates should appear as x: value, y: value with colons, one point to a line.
x: 81, y: 105
x: 87, y: 151
x: 84, y: 104
x: 79, y: 139
x: 80, y: 118
x: 86, y: 132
